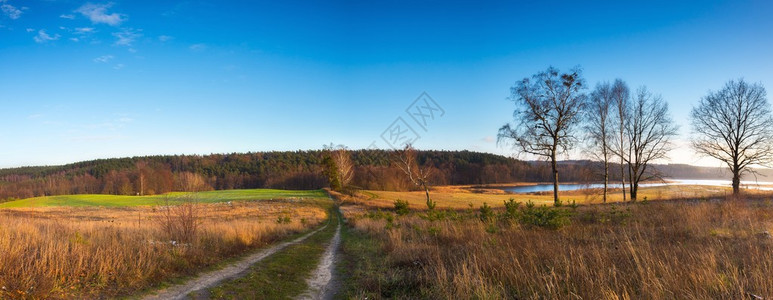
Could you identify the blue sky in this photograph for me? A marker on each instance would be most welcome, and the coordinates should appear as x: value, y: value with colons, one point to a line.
x: 83, y: 80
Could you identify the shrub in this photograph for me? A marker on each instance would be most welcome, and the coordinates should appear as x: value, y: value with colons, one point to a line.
x: 486, y: 213
x: 512, y: 210
x: 401, y: 207
x: 544, y: 216
x: 283, y: 220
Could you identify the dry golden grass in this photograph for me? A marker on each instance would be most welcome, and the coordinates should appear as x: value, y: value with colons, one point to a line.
x: 660, y: 250
x: 89, y: 252
x: 461, y: 197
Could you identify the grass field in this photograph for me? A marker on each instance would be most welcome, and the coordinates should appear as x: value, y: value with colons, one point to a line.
x: 464, y: 197
x: 710, y: 248
x: 76, y: 249
x: 203, y: 197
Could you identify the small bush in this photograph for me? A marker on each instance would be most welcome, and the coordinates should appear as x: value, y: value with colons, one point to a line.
x: 544, y: 216
x: 283, y: 220
x: 401, y: 207
x: 486, y: 213
x: 512, y: 211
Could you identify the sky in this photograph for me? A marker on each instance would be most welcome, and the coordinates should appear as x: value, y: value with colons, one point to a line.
x: 86, y: 80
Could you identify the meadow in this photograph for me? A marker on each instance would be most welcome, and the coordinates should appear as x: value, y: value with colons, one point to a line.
x: 467, y: 196
x: 100, y: 246
x: 174, y: 197
x: 711, y: 248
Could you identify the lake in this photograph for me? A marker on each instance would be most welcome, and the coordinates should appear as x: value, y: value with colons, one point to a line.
x: 523, y: 189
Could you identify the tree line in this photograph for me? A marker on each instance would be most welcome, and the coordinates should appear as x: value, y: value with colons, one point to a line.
x: 555, y: 114
x: 367, y: 169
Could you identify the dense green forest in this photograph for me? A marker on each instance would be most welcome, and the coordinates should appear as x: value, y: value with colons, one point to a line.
x: 373, y: 169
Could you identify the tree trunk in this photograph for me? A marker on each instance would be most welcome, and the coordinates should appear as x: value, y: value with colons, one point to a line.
x: 606, y: 180
x: 553, y: 164
x: 622, y: 176
x: 736, y: 182
x: 633, y: 182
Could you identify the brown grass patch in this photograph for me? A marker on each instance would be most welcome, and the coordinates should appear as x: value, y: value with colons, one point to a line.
x: 90, y: 252
x: 661, y: 250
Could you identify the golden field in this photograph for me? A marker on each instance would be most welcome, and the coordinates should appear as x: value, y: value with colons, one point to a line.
x: 98, y: 252
x: 681, y: 249
x: 466, y: 196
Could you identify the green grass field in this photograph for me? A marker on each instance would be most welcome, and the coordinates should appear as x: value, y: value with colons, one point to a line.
x: 205, y: 197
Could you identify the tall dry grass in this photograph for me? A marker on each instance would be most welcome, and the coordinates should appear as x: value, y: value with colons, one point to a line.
x: 108, y: 252
x: 663, y: 250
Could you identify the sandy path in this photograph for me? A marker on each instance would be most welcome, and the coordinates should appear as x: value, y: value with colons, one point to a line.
x: 321, y: 283
x: 211, y: 279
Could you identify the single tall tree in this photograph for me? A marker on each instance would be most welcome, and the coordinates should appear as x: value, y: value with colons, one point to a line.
x: 649, y: 131
x: 733, y: 125
x: 620, y: 97
x: 406, y: 161
x: 599, y: 128
x: 548, y: 107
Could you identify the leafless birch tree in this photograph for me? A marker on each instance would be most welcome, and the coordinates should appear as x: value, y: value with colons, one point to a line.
x: 548, y: 107
x: 649, y: 131
x: 599, y: 128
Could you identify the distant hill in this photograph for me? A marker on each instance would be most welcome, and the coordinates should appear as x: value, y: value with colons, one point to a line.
x: 294, y: 170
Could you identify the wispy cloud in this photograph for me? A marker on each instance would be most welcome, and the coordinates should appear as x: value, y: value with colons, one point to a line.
x: 67, y: 16
x: 43, y: 37
x: 103, y: 59
x: 10, y: 11
x: 119, y: 66
x: 84, y: 30
x: 30, y: 29
x: 198, y: 47
x: 126, y: 37
x: 97, y: 13
x: 488, y: 139
x: 164, y: 38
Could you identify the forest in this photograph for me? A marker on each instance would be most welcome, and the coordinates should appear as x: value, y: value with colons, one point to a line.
x: 373, y: 169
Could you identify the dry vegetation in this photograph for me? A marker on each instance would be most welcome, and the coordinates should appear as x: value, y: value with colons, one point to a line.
x: 461, y: 197
x: 718, y: 249
x: 91, y: 252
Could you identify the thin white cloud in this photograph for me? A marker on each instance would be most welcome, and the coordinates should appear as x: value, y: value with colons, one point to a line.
x: 43, y: 37
x: 125, y: 120
x: 30, y: 29
x: 164, y: 38
x: 84, y: 30
x: 198, y: 47
x: 75, y: 39
x: 488, y: 139
x: 125, y: 37
x: 103, y: 59
x: 97, y: 13
x: 119, y: 66
x: 69, y: 17
x: 10, y: 11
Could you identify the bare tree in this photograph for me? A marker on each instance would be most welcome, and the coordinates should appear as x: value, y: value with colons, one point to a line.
x: 406, y: 160
x: 141, y: 165
x: 620, y: 97
x: 649, y: 131
x: 547, y: 111
x: 341, y: 161
x: 733, y: 126
x: 599, y: 128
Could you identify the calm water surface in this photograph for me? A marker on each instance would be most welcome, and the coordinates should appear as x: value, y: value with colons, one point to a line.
x: 759, y: 185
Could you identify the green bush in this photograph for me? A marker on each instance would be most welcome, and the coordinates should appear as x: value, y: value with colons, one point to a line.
x: 486, y: 213
x: 401, y: 207
x: 512, y: 211
x: 544, y: 216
